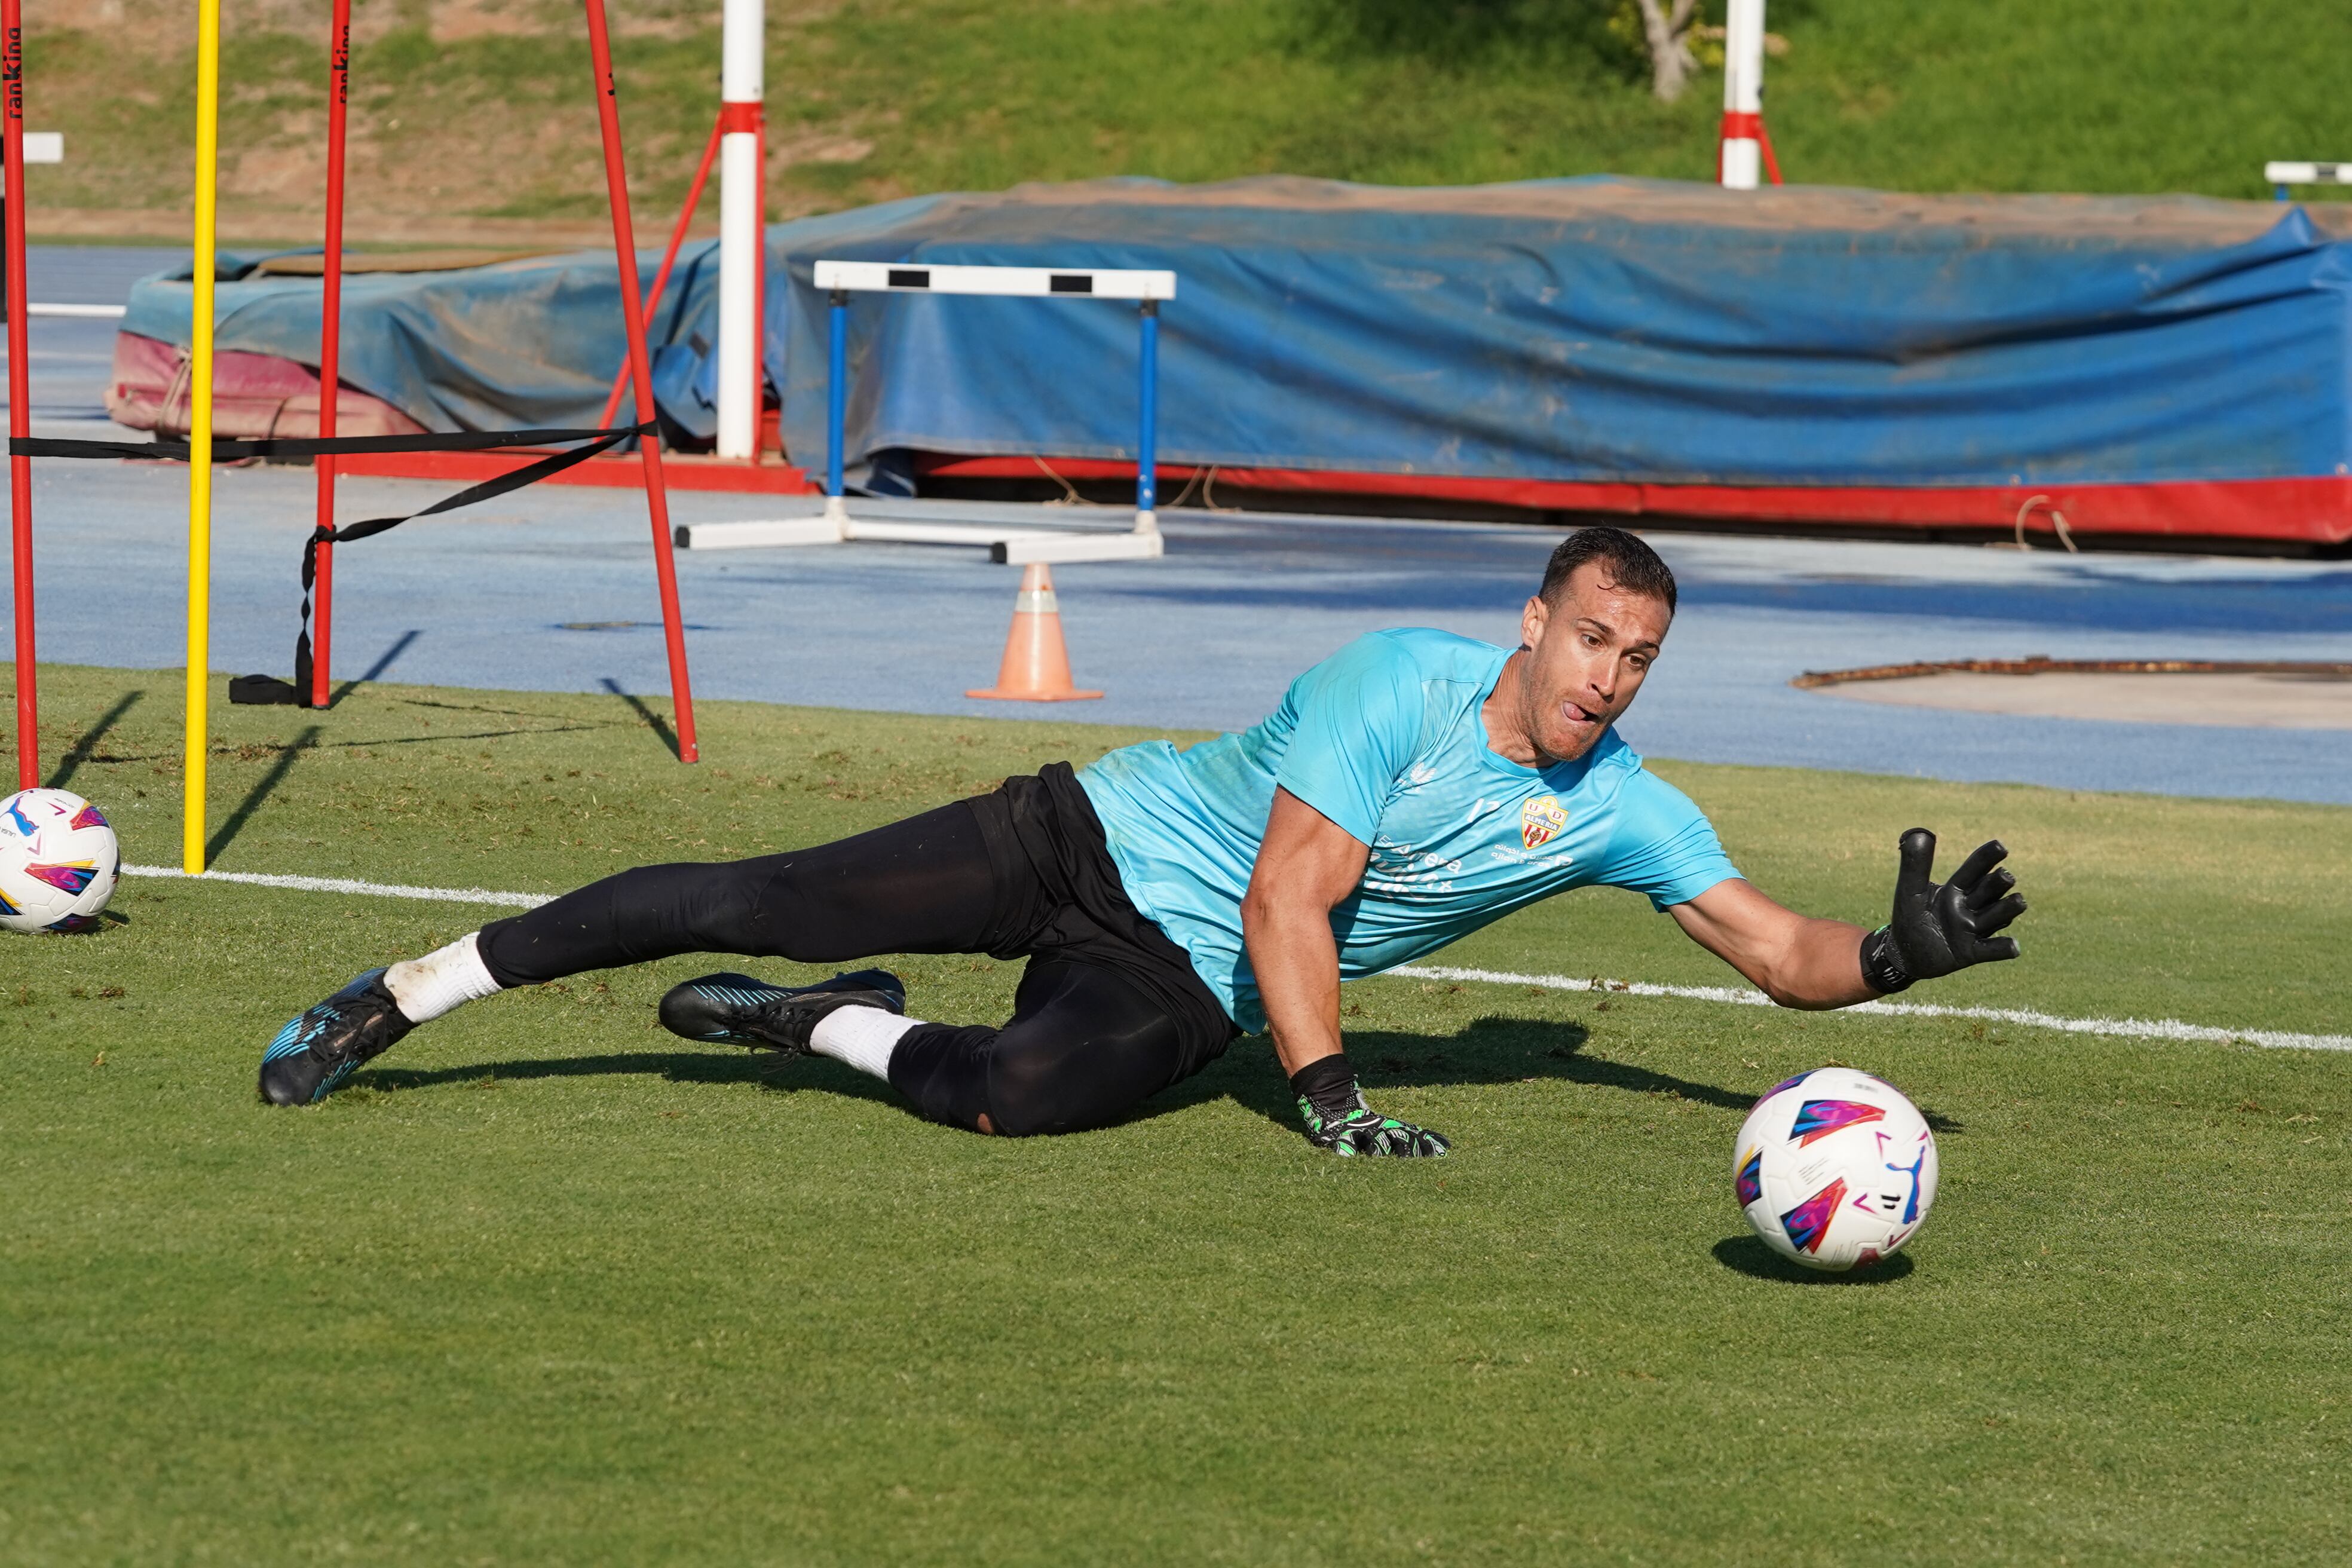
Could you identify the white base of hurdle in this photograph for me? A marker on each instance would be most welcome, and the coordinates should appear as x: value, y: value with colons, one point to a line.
x: 1007, y: 542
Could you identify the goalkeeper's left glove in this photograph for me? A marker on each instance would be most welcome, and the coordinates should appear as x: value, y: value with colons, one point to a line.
x: 1338, y: 1120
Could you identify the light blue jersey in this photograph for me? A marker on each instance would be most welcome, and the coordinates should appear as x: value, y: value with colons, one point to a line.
x: 1385, y: 739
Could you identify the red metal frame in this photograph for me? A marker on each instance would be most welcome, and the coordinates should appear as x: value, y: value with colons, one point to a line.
x: 669, y: 260
x: 633, y: 316
x: 680, y: 471
x: 20, y: 393
x: 2314, y: 510
x: 330, y: 334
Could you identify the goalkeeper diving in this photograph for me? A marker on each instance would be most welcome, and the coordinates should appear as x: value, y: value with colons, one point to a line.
x: 1409, y: 790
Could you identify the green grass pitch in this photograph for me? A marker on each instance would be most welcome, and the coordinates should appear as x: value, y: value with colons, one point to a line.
x: 546, y: 1286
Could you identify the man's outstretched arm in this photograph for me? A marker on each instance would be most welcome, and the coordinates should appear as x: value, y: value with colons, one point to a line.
x: 1800, y: 962
x: 1306, y: 866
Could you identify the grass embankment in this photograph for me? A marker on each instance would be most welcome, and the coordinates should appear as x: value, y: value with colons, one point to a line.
x: 475, y: 112
x: 546, y: 1285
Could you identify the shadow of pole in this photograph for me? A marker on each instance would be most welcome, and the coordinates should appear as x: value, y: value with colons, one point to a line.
x: 87, y: 746
x: 651, y: 720
x: 383, y: 662
x: 261, y: 791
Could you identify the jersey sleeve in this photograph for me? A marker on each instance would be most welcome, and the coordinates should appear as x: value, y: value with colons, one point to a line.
x: 1663, y: 846
x: 1358, y: 726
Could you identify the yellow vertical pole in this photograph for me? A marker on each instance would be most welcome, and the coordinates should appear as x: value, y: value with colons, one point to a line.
x: 199, y: 436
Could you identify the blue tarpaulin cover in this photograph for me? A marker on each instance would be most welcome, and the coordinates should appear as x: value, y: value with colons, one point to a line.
x: 1595, y: 330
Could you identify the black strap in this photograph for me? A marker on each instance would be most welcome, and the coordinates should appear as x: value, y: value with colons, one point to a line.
x: 314, y: 447
x: 529, y: 474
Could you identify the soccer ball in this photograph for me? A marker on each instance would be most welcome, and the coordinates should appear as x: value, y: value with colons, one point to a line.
x: 1836, y: 1169
x: 58, y: 861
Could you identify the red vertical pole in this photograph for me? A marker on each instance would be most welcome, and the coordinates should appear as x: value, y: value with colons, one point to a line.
x: 669, y: 260
x: 20, y: 394
x: 633, y: 317
x: 330, y: 335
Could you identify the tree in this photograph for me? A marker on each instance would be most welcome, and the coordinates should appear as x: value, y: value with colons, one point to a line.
x: 1666, y: 33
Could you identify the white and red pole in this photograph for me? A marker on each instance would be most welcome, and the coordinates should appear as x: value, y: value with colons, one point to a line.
x: 1745, y: 150
x: 742, y: 264
x: 331, y: 333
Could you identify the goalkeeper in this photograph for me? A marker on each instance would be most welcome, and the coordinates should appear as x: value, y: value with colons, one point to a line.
x: 1410, y: 789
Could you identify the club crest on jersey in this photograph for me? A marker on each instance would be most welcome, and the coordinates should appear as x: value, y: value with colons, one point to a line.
x: 1541, y: 820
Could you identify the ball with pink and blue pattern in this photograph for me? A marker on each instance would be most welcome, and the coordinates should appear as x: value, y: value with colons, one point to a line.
x: 1836, y: 1169
x: 58, y: 862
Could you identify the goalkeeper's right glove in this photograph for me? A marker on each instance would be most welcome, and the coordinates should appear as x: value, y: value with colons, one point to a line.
x: 1338, y: 1120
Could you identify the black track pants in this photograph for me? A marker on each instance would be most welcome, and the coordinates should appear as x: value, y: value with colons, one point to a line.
x: 919, y: 885
x: 1107, y: 1014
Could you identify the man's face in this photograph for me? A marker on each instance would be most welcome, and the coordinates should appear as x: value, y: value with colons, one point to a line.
x: 1587, y: 650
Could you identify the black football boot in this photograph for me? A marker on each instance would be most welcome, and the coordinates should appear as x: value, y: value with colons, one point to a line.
x: 313, y: 1055
x: 739, y: 1010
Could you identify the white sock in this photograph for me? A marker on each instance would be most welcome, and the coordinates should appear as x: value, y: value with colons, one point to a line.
x: 439, y: 982
x: 862, y: 1037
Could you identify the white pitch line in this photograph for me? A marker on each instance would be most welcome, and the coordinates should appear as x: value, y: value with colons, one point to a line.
x: 348, y: 885
x: 2125, y: 1028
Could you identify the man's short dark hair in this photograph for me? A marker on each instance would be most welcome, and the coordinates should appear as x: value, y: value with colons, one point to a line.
x: 1629, y: 564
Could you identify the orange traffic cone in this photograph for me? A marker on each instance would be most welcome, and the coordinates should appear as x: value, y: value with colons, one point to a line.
x: 1036, y: 667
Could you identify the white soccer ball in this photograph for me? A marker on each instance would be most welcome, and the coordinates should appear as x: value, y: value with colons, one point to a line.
x: 1836, y: 1169
x: 58, y: 861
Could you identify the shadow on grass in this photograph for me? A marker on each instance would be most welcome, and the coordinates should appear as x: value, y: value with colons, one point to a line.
x: 1487, y: 1050
x: 653, y: 721
x: 369, y: 742
x: 261, y: 792
x: 86, y: 747
x: 400, y: 645
x: 1747, y: 1255
x: 763, y: 1067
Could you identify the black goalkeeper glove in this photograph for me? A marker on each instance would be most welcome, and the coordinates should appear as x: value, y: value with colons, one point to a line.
x: 1338, y: 1120
x: 1939, y: 926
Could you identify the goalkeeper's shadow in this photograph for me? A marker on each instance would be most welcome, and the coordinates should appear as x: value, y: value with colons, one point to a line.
x: 1491, y: 1050
x: 766, y: 1069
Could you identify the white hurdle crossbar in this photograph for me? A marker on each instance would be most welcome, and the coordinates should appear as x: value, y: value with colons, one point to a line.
x: 2281, y: 176
x: 842, y: 278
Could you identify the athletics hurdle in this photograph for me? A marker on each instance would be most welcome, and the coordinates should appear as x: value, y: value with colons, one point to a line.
x: 2281, y: 176
x: 1009, y: 545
